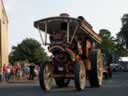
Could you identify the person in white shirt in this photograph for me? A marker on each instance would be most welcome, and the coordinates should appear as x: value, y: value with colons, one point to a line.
x: 8, y: 73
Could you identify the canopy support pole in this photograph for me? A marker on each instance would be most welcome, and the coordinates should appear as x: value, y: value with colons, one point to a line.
x: 46, y: 27
x: 40, y: 35
x: 68, y: 25
x: 76, y: 28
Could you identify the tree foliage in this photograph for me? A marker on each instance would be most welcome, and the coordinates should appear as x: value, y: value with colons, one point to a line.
x: 107, y: 42
x: 123, y: 34
x: 111, y: 45
x: 28, y: 50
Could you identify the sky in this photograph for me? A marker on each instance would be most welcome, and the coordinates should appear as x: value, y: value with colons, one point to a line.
x: 101, y: 14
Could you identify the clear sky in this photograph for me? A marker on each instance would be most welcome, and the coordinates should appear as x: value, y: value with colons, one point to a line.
x: 99, y: 13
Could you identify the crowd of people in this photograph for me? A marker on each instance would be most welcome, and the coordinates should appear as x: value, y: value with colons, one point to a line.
x: 18, y: 72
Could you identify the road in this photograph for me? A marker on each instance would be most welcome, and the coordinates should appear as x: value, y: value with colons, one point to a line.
x: 117, y: 86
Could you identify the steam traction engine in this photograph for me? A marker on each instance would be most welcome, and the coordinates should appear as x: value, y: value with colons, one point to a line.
x: 75, y: 52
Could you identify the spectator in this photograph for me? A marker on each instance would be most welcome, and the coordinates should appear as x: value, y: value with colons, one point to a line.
x: 36, y: 71
x: 1, y: 74
x: 31, y: 75
x: 8, y: 72
x: 19, y: 72
x: 4, y: 71
x: 13, y: 72
x: 26, y: 72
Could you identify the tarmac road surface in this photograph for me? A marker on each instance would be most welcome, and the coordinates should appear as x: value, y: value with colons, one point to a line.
x: 117, y: 86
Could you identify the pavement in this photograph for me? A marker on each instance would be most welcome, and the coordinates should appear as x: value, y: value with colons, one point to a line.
x: 14, y: 83
x: 21, y: 81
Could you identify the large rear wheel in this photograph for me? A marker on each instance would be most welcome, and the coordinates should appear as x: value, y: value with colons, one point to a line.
x: 96, y: 73
x: 80, y: 75
x: 46, y: 76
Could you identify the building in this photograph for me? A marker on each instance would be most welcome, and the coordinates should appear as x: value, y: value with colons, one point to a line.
x: 3, y: 35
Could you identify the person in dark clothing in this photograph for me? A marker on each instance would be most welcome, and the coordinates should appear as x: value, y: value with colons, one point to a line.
x: 108, y: 66
x: 1, y: 74
x: 31, y: 75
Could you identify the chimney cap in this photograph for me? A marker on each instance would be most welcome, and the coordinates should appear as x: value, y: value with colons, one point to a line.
x: 64, y: 14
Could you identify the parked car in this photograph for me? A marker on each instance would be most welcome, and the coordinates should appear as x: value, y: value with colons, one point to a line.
x: 124, y: 66
x: 116, y: 67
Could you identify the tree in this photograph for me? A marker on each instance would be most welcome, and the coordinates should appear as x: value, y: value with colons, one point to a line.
x: 111, y: 47
x: 119, y: 48
x: 28, y: 50
x: 107, y: 42
x: 123, y: 34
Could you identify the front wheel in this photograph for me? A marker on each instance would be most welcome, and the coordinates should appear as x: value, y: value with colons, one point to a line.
x: 45, y: 76
x: 80, y: 75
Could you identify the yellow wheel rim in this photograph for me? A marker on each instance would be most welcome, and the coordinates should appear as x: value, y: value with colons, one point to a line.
x: 82, y: 75
x: 99, y: 67
x: 48, y: 79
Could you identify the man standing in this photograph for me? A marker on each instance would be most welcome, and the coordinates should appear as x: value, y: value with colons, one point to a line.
x: 31, y: 75
x: 1, y: 74
x: 8, y: 73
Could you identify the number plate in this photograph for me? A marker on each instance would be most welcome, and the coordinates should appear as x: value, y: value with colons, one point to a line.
x: 60, y: 68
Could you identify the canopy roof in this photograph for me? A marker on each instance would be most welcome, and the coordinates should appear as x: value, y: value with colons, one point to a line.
x: 53, y: 24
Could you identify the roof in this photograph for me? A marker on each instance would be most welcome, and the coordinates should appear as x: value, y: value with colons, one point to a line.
x: 54, y: 22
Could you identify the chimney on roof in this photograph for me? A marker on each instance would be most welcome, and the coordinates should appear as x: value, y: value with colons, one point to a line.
x: 64, y: 15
